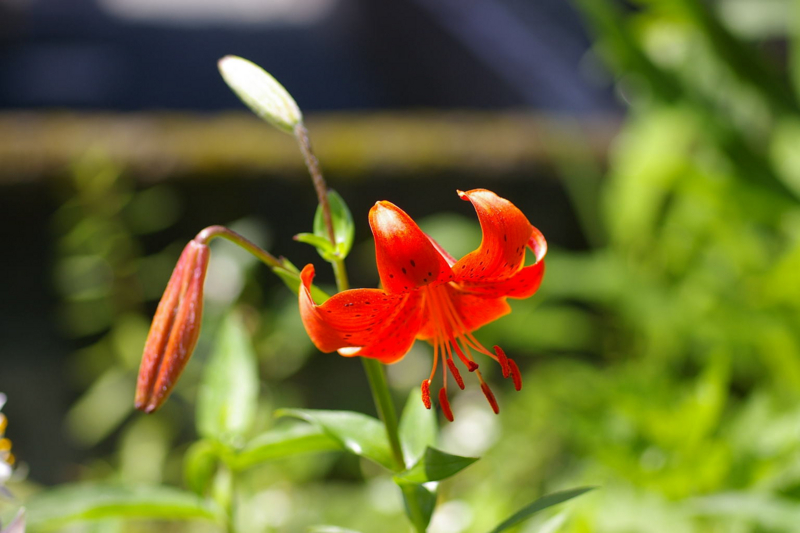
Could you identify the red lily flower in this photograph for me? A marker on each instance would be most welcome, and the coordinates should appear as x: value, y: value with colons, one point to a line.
x: 429, y: 295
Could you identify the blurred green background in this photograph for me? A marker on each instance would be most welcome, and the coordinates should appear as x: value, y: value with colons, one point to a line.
x: 661, y: 358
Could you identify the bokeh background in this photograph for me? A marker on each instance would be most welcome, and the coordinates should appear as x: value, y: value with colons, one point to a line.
x: 656, y: 143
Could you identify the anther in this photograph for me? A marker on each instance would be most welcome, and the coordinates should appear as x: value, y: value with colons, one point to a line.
x: 453, y: 370
x: 443, y: 401
x: 490, y: 397
x: 515, y: 375
x: 472, y: 366
x: 503, y: 360
x: 426, y: 393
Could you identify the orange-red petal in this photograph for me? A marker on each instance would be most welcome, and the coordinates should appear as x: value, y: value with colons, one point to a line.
x: 469, y: 311
x: 397, y: 335
x: 523, y: 284
x: 406, y: 257
x: 363, y: 322
x: 506, y: 232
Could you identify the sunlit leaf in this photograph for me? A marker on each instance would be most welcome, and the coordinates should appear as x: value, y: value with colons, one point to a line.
x: 542, y: 503
x: 228, y: 395
x: 284, y: 442
x: 343, y: 226
x: 435, y: 465
x: 72, y: 503
x: 357, y: 433
x: 261, y: 92
x: 417, y: 428
x: 322, y: 244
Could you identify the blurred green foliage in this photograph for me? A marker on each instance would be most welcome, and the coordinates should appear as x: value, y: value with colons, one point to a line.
x: 663, y: 363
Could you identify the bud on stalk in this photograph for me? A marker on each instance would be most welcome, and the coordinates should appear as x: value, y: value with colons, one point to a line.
x: 175, y: 329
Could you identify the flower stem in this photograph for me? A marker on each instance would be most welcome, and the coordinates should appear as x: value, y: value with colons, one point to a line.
x: 312, y: 163
x: 212, y: 232
x: 373, y: 368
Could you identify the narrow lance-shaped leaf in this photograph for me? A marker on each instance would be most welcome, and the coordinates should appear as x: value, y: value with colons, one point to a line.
x: 228, y: 395
x: 435, y: 465
x: 343, y: 227
x: 283, y: 442
x: 357, y: 433
x: 542, y: 503
x: 73, y: 503
x: 261, y: 92
x: 343, y: 230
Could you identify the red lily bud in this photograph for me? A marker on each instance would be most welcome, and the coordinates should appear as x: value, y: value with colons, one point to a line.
x: 175, y: 328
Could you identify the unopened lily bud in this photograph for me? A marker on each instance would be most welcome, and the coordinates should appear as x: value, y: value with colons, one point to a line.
x: 175, y: 329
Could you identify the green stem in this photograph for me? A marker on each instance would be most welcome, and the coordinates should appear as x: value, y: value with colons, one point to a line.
x: 212, y: 232
x: 384, y: 405
x: 373, y: 368
x: 312, y: 163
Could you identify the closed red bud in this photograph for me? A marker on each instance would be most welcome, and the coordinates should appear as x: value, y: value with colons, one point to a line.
x: 175, y: 329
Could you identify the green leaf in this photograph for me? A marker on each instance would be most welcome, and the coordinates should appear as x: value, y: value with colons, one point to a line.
x: 343, y: 226
x: 435, y: 465
x: 417, y: 429
x: 292, y: 280
x: 72, y: 503
x: 199, y: 465
x: 284, y: 442
x: 228, y: 396
x: 425, y: 499
x: 542, y: 503
x: 322, y: 244
x: 357, y: 433
x: 261, y: 92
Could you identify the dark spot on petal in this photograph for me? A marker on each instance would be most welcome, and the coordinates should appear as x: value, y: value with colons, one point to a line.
x: 413, y: 264
x: 391, y: 275
x: 505, y: 237
x: 404, y: 270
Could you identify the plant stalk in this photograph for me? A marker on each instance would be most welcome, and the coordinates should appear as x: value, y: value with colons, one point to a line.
x: 212, y: 232
x: 312, y: 163
x: 373, y: 368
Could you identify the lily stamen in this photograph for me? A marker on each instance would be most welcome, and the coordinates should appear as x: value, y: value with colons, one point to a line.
x: 445, y: 404
x: 489, y: 395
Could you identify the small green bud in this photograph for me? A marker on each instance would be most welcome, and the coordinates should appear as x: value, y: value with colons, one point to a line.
x: 261, y: 92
